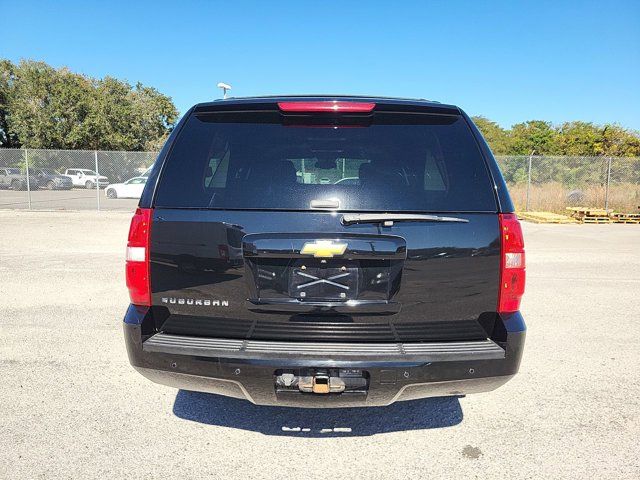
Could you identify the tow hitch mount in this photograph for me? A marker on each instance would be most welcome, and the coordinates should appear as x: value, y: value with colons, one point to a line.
x: 321, y: 381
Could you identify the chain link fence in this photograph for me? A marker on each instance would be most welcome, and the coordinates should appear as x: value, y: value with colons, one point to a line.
x: 72, y: 179
x: 101, y: 180
x: 551, y: 184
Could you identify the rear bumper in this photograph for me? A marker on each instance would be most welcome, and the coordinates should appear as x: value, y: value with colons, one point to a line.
x: 395, y: 372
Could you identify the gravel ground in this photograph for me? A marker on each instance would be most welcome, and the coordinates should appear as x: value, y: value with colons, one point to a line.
x: 73, y: 407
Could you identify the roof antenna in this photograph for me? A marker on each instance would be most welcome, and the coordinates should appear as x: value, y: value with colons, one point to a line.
x: 224, y: 87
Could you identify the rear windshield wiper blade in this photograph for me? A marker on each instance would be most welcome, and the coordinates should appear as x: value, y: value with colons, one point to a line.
x: 387, y: 219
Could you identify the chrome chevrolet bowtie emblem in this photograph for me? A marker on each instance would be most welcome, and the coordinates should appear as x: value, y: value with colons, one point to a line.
x: 323, y: 248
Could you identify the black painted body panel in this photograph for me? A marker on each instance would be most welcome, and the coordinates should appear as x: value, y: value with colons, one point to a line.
x: 445, y: 272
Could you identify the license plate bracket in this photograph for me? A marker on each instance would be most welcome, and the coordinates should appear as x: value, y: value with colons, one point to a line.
x: 334, y: 282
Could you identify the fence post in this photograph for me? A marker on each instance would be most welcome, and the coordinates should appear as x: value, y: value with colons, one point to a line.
x: 526, y: 208
x: 95, y: 155
x: 26, y: 161
x: 606, y: 191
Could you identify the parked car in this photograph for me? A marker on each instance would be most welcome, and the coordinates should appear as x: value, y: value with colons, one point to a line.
x: 52, y: 180
x: 132, y: 188
x: 14, y: 179
x: 404, y: 285
x: 83, y: 177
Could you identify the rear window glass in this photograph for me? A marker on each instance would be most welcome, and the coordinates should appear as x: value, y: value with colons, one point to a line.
x: 396, y: 162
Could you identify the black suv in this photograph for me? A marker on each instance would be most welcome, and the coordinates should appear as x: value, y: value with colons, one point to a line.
x: 254, y: 272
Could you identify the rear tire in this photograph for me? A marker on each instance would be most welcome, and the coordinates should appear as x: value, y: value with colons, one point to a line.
x: 89, y: 185
x: 51, y: 185
x: 18, y: 185
x: 111, y: 193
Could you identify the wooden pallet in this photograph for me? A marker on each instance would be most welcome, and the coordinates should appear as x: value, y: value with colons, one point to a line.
x: 633, y: 218
x: 545, y: 217
x: 581, y: 215
x: 589, y: 211
x: 594, y: 219
x: 591, y: 214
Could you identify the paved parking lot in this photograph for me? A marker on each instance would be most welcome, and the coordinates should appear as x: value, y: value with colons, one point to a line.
x: 73, y: 408
x: 74, y: 199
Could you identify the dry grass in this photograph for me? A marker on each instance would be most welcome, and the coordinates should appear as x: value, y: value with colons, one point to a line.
x: 554, y: 197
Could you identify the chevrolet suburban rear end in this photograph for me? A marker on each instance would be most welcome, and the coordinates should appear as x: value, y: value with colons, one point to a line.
x: 325, y: 251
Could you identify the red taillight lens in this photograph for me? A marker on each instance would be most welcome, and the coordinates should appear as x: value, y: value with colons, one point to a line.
x: 138, y: 257
x: 512, y: 268
x: 324, y: 106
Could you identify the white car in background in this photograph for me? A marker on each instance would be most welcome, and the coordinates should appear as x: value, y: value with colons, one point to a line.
x: 132, y: 188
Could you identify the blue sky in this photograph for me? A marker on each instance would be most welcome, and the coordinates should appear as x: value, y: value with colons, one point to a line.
x: 507, y: 60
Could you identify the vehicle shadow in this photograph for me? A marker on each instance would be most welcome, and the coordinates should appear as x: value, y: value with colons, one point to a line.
x: 212, y: 409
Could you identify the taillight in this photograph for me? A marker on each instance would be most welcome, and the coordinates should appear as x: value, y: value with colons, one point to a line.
x: 512, y: 268
x: 138, y: 257
x: 326, y: 106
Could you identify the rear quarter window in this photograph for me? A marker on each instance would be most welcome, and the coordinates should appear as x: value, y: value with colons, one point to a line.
x: 396, y: 162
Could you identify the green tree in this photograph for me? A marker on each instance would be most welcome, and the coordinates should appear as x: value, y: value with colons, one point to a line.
x: 534, y: 135
x: 496, y: 136
x: 153, y: 117
x: 44, y: 107
x: 47, y: 106
x: 7, y: 139
x: 616, y: 141
x: 579, y: 139
x: 110, y: 119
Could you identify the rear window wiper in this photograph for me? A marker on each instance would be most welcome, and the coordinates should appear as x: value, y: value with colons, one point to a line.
x: 387, y: 219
